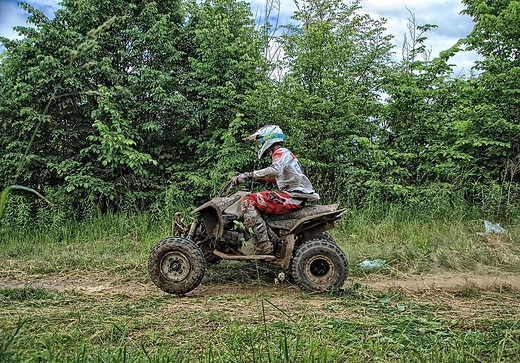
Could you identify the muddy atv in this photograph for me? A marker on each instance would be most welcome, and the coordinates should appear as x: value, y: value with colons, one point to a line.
x: 303, y: 248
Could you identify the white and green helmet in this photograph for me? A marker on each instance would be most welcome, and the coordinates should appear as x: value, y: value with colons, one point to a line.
x: 266, y: 137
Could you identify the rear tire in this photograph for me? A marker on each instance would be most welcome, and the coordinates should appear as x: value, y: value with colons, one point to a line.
x: 176, y: 265
x: 319, y: 265
x: 321, y: 235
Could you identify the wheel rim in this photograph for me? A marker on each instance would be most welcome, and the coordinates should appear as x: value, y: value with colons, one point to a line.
x: 319, y: 269
x: 175, y: 266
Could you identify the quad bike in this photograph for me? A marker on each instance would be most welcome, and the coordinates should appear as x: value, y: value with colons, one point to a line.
x: 303, y: 248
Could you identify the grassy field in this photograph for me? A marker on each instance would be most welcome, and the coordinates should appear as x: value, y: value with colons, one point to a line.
x: 79, y: 292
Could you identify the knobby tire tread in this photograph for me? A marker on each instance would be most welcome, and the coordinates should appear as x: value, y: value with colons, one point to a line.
x: 191, y: 251
x: 314, y: 247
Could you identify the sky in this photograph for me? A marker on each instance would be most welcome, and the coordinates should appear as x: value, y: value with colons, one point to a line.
x: 444, y: 13
x: 452, y: 25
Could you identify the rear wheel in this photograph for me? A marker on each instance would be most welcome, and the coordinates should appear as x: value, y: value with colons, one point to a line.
x: 319, y: 265
x: 321, y: 235
x: 176, y: 265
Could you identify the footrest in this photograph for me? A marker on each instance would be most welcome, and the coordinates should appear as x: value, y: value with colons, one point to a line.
x: 226, y: 256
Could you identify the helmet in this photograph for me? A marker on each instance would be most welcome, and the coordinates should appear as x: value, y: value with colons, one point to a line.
x: 266, y: 137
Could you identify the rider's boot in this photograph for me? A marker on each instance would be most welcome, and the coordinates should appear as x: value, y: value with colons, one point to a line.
x: 254, y: 222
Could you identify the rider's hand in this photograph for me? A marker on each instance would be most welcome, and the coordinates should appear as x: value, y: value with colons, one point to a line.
x: 241, y: 178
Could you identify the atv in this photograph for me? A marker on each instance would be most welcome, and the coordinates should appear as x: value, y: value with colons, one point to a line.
x: 303, y: 248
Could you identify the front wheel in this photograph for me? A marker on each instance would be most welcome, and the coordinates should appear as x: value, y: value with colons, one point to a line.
x: 176, y: 265
x: 319, y: 265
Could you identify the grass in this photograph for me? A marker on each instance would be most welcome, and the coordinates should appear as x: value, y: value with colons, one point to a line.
x: 356, y: 325
x: 410, y: 243
x: 79, y: 292
x: 413, y: 242
x: 112, y: 243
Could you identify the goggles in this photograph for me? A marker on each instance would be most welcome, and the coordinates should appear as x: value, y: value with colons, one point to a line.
x: 259, y: 142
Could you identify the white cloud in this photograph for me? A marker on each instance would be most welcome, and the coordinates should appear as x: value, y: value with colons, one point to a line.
x: 446, y: 14
x: 10, y: 15
x: 452, y: 25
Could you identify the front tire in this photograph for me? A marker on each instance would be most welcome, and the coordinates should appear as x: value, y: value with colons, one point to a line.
x: 176, y: 265
x: 319, y: 265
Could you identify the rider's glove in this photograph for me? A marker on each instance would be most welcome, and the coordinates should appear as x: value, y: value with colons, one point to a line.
x: 241, y: 178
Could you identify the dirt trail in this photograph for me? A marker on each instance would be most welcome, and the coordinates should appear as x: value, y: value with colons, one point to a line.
x: 455, y: 296
x: 440, y: 282
x: 450, y: 282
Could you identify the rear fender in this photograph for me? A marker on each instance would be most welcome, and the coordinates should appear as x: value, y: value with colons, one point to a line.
x: 318, y: 223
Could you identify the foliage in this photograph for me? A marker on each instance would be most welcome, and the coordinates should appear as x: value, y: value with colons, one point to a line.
x: 330, y: 95
x: 80, y: 50
x: 138, y: 108
x: 148, y: 111
x: 5, y: 192
x: 495, y: 92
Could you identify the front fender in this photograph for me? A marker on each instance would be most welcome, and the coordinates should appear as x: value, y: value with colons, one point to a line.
x: 211, y: 214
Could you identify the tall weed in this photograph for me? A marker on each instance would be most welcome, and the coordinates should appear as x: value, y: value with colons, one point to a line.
x: 443, y: 234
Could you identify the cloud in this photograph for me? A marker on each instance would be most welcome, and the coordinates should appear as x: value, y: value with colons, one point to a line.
x: 10, y: 15
x: 446, y: 14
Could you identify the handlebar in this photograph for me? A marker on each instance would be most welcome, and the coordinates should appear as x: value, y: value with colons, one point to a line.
x: 228, y: 187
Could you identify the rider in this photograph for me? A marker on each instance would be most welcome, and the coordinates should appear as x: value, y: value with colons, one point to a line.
x: 287, y: 172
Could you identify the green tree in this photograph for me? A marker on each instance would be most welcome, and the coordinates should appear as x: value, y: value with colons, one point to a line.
x: 335, y: 60
x: 443, y: 131
x: 223, y: 71
x: 90, y: 143
x: 496, y: 92
x: 417, y: 143
x: 142, y: 106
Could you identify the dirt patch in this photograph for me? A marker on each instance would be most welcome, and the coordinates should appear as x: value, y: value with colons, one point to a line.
x: 442, y: 282
x: 453, y: 296
x: 448, y: 282
x: 92, y: 283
